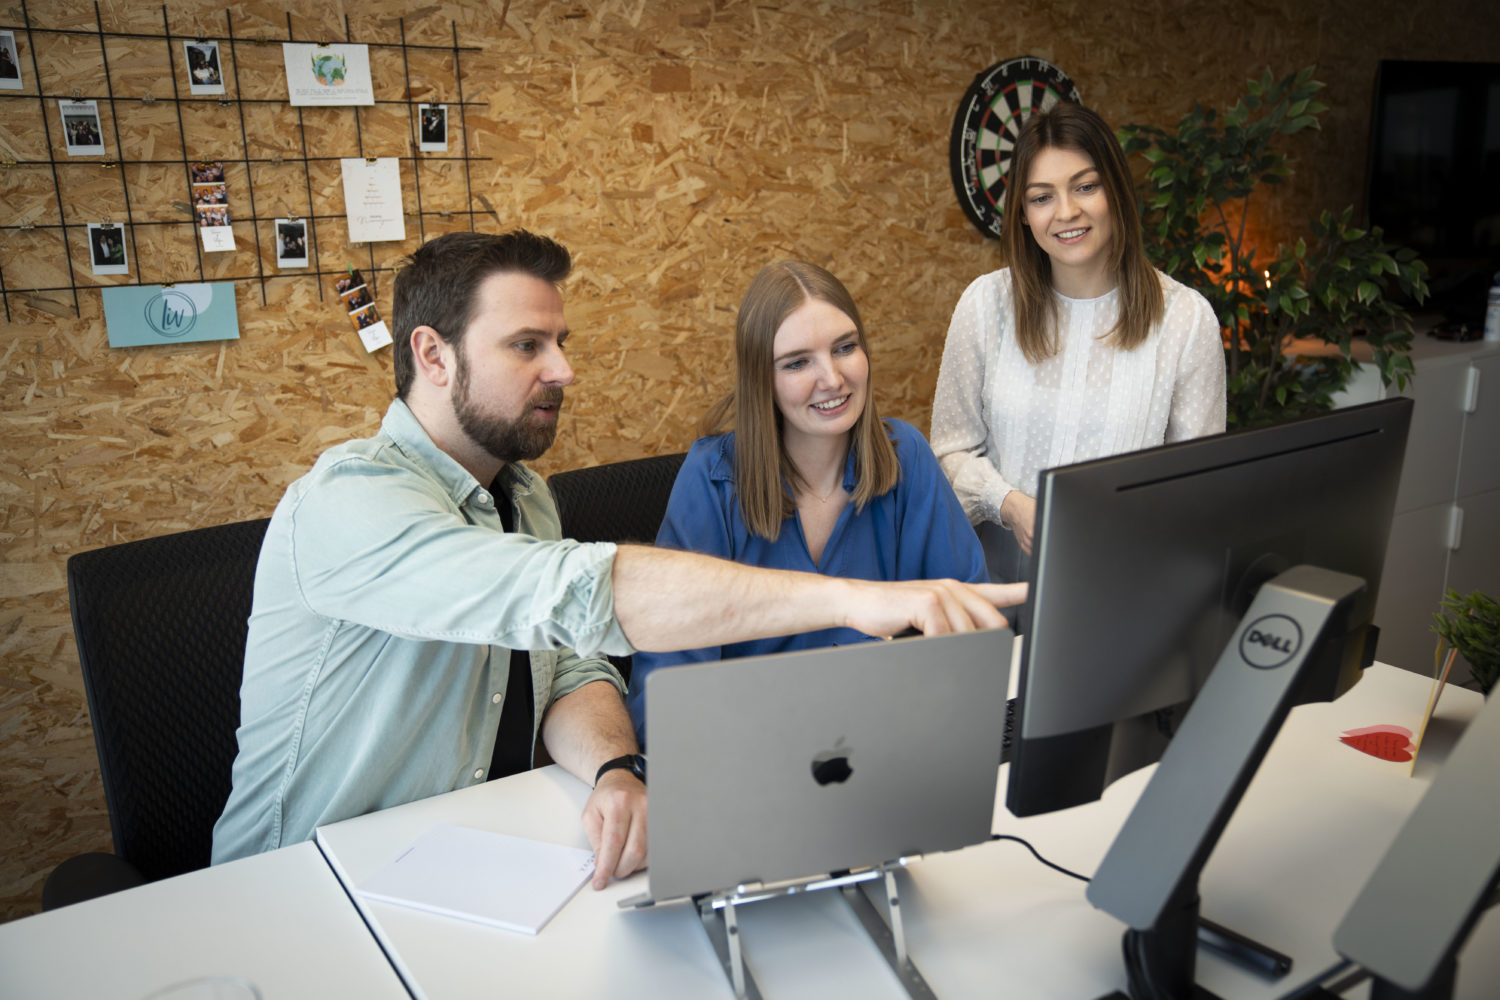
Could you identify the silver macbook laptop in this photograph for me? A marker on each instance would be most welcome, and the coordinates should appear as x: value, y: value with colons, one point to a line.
x: 782, y: 767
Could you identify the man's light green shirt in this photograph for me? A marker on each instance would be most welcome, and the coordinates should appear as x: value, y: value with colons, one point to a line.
x: 387, y: 598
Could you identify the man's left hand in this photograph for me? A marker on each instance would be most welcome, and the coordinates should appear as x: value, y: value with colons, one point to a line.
x: 614, y: 817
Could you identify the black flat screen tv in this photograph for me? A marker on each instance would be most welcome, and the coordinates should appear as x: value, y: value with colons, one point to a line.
x: 1433, y: 175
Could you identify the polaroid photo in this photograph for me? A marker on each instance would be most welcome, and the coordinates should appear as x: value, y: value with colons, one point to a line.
x: 348, y: 282
x: 291, y: 243
x: 359, y: 303
x: 210, y: 194
x: 211, y: 206
x: 356, y: 299
x: 208, y: 173
x: 204, y: 75
x: 212, y: 216
x: 107, y: 248
x: 432, y: 128
x: 81, y: 129
x: 10, y: 62
x: 372, y: 330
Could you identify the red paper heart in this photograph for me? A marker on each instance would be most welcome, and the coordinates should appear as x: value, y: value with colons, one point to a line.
x: 1392, y: 743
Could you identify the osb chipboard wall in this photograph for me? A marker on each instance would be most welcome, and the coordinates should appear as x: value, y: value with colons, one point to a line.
x: 675, y: 147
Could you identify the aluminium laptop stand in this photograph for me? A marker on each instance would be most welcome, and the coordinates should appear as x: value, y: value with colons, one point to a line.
x: 716, y: 910
x: 713, y: 809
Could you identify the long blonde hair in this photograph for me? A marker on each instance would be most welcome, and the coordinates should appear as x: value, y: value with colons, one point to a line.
x: 1072, y: 126
x: 762, y: 467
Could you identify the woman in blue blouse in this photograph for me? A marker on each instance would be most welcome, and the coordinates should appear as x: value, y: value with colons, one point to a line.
x: 811, y: 478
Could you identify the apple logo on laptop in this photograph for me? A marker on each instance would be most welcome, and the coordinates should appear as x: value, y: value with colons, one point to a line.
x: 832, y: 766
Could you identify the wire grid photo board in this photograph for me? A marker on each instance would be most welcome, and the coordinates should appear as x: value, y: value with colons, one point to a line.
x: 118, y: 142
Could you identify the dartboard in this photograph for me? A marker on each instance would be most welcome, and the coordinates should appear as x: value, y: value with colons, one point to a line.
x: 985, y: 128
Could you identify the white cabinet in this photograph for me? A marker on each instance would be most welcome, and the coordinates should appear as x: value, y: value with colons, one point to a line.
x: 1446, y: 532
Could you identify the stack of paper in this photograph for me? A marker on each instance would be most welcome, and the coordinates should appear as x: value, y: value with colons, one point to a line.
x: 492, y: 878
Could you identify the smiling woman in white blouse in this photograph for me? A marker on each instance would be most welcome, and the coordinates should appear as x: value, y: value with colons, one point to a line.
x: 1077, y: 350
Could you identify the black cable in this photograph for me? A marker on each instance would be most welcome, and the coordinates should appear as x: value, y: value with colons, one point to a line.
x: 1036, y: 854
x: 1138, y: 975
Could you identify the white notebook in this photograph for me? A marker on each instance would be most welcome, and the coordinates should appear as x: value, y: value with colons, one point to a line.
x: 491, y: 878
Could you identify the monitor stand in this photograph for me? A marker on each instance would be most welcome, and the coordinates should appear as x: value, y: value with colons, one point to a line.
x: 1275, y: 658
x: 717, y: 913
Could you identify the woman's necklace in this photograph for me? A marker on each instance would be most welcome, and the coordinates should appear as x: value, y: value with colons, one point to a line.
x: 838, y: 481
x: 838, y: 485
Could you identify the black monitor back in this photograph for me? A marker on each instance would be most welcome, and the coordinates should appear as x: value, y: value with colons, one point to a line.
x: 1144, y: 563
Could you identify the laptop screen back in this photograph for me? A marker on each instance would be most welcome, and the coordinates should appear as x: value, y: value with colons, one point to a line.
x: 770, y: 768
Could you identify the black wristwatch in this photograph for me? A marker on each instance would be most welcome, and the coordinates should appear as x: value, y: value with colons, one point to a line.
x: 633, y: 762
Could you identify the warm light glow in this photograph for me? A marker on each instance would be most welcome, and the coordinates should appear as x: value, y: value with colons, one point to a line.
x: 1268, y: 278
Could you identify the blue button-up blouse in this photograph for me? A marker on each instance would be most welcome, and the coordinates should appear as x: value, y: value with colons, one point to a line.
x: 915, y: 531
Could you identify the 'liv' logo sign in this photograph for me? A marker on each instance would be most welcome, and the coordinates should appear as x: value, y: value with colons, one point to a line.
x: 171, y: 313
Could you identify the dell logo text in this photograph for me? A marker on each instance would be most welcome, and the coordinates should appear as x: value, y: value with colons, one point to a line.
x: 1270, y: 641
x: 1279, y: 643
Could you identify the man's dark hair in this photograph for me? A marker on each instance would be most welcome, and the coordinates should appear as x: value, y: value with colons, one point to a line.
x: 438, y: 284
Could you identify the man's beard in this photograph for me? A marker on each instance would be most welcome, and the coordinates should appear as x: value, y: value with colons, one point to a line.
x: 507, y: 440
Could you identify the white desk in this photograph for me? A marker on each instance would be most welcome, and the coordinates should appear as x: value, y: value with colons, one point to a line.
x: 280, y: 921
x: 1312, y: 826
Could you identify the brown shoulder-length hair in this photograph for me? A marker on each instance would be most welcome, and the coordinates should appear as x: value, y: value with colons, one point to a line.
x: 1072, y: 126
x: 762, y: 468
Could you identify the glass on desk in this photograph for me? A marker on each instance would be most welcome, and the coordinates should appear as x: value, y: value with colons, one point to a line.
x: 208, y: 988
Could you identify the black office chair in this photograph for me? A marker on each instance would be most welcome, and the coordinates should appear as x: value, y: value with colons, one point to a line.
x: 616, y: 502
x: 161, y: 626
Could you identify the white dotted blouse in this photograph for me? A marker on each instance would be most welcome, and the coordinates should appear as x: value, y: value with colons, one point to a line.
x: 998, y: 420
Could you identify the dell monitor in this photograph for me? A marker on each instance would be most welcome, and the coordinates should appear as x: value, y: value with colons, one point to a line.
x: 1144, y: 568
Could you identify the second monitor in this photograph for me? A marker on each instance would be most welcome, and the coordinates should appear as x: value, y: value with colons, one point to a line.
x: 1145, y: 568
x: 1145, y: 562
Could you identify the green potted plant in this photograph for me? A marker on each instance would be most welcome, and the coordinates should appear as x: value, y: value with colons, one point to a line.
x: 1471, y: 626
x: 1330, y: 285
